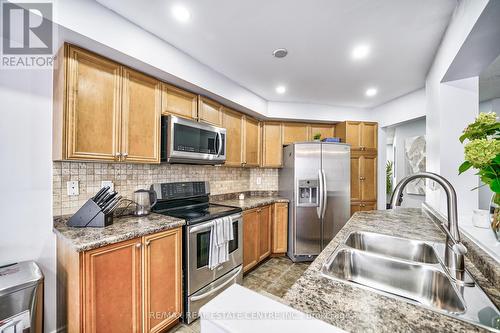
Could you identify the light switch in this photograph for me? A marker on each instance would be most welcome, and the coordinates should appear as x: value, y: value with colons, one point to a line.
x: 108, y: 183
x: 73, y: 188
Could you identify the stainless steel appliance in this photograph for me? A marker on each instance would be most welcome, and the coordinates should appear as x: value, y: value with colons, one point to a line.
x: 190, y: 201
x: 142, y: 199
x: 187, y: 141
x: 21, y: 298
x: 316, y: 179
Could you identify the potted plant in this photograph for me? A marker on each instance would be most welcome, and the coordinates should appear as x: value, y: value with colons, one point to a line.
x: 482, y: 152
x: 317, y: 136
x: 388, y: 181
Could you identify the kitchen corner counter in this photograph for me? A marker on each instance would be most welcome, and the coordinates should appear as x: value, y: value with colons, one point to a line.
x: 123, y: 228
x: 251, y: 202
x: 356, y: 309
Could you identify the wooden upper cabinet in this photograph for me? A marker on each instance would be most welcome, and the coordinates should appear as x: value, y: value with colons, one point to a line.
x: 87, y: 111
x: 209, y: 111
x: 179, y: 102
x: 360, y: 135
x: 369, y: 136
x: 356, y: 177
x: 264, y: 232
x: 369, y: 178
x: 280, y: 227
x: 295, y: 132
x: 141, y: 114
x: 162, y: 279
x: 252, y: 142
x: 250, y: 239
x: 272, y: 147
x: 232, y: 121
x: 113, y: 284
x: 326, y: 131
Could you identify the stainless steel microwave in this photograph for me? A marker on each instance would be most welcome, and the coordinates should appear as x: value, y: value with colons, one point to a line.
x: 188, y: 141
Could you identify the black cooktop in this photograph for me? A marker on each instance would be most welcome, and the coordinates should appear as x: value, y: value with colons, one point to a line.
x: 201, y: 213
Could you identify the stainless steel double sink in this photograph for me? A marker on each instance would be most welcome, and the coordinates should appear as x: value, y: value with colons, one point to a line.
x: 411, y: 270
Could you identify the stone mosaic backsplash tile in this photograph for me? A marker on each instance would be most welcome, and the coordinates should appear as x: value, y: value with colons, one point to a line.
x: 128, y: 178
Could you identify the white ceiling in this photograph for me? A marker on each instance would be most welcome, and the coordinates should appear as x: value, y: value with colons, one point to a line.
x: 237, y: 38
x: 489, y: 82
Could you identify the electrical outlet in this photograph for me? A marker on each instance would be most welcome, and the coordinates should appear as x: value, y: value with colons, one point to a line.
x: 108, y: 183
x: 73, y: 188
x: 259, y: 180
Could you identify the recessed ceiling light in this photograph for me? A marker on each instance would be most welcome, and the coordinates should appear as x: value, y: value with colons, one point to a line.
x: 181, y: 13
x: 360, y: 51
x: 280, y: 53
x: 371, y: 92
x: 280, y: 89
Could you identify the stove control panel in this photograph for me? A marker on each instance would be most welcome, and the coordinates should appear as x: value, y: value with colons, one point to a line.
x: 180, y: 190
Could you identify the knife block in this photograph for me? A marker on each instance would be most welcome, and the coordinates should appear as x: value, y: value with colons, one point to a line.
x: 90, y: 215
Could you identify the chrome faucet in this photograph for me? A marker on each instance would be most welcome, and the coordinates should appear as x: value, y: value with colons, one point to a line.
x: 454, y: 251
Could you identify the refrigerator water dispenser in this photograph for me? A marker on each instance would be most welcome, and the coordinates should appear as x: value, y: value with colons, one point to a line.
x: 308, y: 192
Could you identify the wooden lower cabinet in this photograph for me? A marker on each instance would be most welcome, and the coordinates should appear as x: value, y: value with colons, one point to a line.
x: 162, y: 280
x: 363, y: 206
x: 280, y: 228
x: 132, y: 286
x: 264, y: 233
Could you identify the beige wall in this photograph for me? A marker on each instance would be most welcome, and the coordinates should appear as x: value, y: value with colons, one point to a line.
x: 130, y: 177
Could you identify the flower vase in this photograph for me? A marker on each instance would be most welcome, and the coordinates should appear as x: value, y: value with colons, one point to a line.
x: 495, y: 215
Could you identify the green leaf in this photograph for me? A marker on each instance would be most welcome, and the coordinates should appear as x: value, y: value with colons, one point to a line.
x: 495, y: 185
x: 462, y: 138
x: 464, y: 167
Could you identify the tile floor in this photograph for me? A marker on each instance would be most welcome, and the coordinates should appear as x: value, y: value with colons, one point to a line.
x: 272, y: 279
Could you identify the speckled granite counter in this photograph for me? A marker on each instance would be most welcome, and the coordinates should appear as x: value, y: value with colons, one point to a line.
x: 123, y: 228
x: 251, y: 202
x: 359, y: 310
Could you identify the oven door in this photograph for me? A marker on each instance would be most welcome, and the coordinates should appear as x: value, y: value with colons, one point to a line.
x: 198, y: 246
x: 190, y: 141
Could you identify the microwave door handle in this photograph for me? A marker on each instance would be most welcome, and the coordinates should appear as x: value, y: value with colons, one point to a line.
x: 219, y: 148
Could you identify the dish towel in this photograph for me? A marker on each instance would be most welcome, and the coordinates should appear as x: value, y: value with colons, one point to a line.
x: 221, y: 233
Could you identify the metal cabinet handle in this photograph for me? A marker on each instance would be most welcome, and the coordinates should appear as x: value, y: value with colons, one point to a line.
x: 148, y: 243
x: 138, y: 245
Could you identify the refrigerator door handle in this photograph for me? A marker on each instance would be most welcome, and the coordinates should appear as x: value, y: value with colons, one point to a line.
x: 319, y: 209
x: 324, y: 193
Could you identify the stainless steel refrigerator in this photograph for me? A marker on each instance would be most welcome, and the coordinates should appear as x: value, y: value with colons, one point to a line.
x: 316, y: 179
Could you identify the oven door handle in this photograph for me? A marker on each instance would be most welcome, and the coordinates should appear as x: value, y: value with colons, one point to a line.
x: 208, y: 225
x: 205, y: 295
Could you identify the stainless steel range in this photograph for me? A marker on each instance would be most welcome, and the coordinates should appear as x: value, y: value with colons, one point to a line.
x: 190, y: 201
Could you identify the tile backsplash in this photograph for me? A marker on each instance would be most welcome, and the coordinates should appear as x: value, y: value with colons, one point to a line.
x: 130, y: 177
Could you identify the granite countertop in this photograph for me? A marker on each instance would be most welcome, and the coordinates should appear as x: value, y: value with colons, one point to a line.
x: 123, y: 228
x: 356, y: 309
x: 251, y: 201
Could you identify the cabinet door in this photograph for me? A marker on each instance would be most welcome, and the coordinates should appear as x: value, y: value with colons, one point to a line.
x: 252, y: 142
x: 209, y: 111
x: 264, y: 232
x: 280, y: 227
x: 353, y: 134
x: 294, y: 132
x: 112, y: 288
x: 233, y: 123
x: 369, y: 178
x: 250, y: 239
x: 369, y: 136
x: 367, y: 206
x: 162, y: 279
x: 141, y: 118
x: 179, y: 102
x: 93, y: 106
x: 326, y: 131
x: 356, y: 177
x: 271, y: 145
x: 355, y: 207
